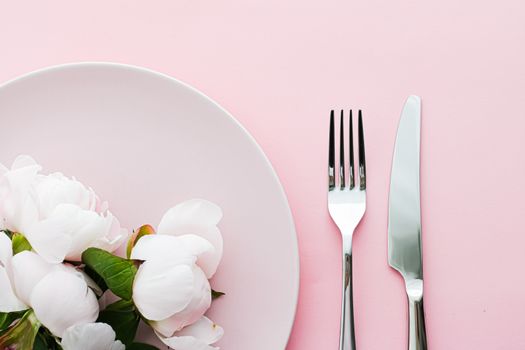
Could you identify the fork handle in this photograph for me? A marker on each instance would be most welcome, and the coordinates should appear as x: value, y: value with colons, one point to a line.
x: 347, y: 332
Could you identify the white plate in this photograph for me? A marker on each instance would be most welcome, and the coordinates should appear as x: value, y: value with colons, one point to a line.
x: 144, y: 142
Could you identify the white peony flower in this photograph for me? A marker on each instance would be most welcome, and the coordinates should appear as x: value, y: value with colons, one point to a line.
x: 59, y: 216
x: 90, y: 336
x: 179, y: 258
x: 166, y: 266
x: 58, y: 294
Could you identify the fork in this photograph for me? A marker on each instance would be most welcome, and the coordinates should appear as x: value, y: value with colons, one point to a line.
x: 347, y: 205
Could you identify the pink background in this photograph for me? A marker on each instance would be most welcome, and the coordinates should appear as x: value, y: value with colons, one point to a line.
x: 279, y: 67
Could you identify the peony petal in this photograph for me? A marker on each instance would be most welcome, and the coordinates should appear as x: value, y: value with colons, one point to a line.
x: 183, y: 249
x: 204, y: 329
x: 8, y: 299
x: 28, y: 269
x: 23, y: 161
x: 154, y: 247
x: 17, y: 206
x: 27, y: 213
x: 61, y: 300
x: 3, y: 169
x: 49, y: 240
x: 23, y: 172
x: 66, y: 233
x: 81, y: 274
x: 197, y: 336
x: 186, y: 216
x: 117, y: 345
x: 55, y: 189
x: 91, y: 336
x: 187, y: 343
x: 162, y: 288
x: 19, y: 209
x: 115, y: 235
x: 199, y: 304
x: 208, y: 255
x: 83, y: 226
x: 6, y: 250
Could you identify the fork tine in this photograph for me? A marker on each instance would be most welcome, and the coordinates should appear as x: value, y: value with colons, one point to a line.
x: 342, y: 154
x: 331, y: 154
x: 362, y: 164
x: 351, y: 137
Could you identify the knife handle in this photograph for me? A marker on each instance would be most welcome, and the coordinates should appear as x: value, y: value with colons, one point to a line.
x: 347, y: 332
x: 417, y: 337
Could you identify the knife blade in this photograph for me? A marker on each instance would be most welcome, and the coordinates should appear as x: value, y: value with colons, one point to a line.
x: 404, y: 214
x: 404, y: 217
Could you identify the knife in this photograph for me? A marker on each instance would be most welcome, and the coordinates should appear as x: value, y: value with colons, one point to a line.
x: 404, y: 218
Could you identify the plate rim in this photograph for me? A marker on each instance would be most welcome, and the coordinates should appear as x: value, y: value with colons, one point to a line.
x: 251, y: 138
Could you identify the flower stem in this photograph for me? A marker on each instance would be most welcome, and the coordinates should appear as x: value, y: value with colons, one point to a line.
x: 21, y: 336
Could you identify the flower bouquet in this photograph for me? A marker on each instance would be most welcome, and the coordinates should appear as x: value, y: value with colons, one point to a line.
x: 63, y: 286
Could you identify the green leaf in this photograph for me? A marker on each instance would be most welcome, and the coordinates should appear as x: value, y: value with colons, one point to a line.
x: 123, y: 317
x: 7, y: 318
x: 96, y: 278
x: 121, y: 305
x: 40, y: 342
x: 215, y: 294
x: 7, y: 232
x: 141, y: 232
x: 141, y: 346
x: 118, y: 273
x: 45, y: 340
x: 20, y: 243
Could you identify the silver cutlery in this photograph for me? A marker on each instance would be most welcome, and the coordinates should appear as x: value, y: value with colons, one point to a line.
x: 347, y: 205
x: 404, y: 218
